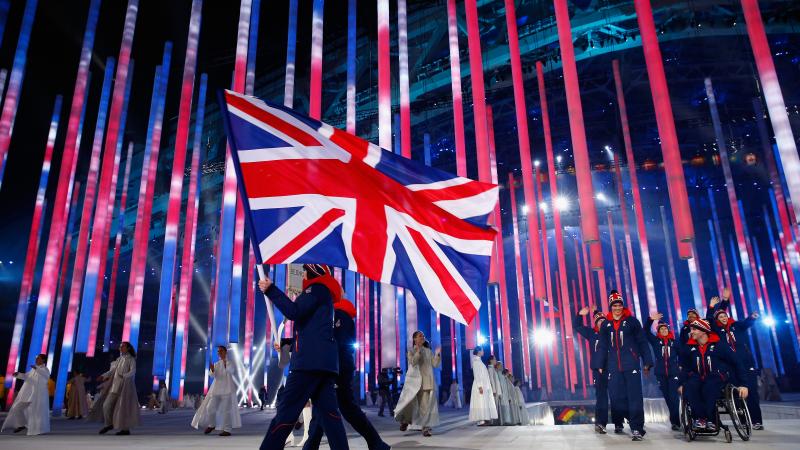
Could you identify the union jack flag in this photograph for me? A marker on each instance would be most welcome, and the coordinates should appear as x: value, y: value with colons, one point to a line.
x: 317, y: 194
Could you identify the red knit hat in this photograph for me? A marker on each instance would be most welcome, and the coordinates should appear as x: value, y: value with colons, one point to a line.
x: 701, y: 325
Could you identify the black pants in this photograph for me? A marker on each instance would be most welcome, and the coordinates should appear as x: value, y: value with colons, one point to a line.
x: 753, y: 402
x: 702, y: 396
x: 601, y: 398
x: 669, y: 389
x: 387, y: 399
x: 300, y: 387
x: 625, y: 390
x: 351, y: 412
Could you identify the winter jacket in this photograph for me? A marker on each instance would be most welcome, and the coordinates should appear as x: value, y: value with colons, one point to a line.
x: 591, y: 335
x: 622, y: 344
x: 315, y: 347
x: 344, y: 330
x: 666, y: 352
x: 715, y: 359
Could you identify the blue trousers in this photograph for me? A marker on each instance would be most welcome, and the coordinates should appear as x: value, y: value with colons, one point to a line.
x: 350, y: 411
x: 625, y: 390
x: 702, y: 396
x: 753, y: 402
x: 669, y: 389
x: 300, y: 387
x: 601, y: 398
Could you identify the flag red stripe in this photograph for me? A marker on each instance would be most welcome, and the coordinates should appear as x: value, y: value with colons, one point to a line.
x: 456, y: 294
x: 306, y: 236
x: 293, y: 132
x: 455, y: 192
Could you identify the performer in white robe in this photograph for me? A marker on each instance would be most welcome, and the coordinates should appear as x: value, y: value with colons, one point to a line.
x: 121, y: 405
x: 31, y: 408
x: 418, y: 403
x: 220, y: 410
x: 163, y: 398
x: 77, y: 407
x: 513, y: 400
x: 523, y: 407
x: 305, y: 418
x: 493, y: 380
x: 454, y: 401
x: 482, y: 407
x: 503, y: 408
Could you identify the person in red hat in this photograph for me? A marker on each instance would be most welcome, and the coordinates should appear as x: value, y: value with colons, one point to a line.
x: 667, y: 351
x: 600, y: 380
x: 344, y: 329
x: 735, y: 334
x: 315, y: 357
x: 707, y: 365
x: 623, y: 350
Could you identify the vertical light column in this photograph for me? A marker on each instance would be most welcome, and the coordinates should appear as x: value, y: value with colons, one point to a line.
x: 671, y: 264
x: 232, y: 216
x: 720, y: 244
x: 112, y: 286
x: 673, y: 166
x: 780, y: 273
x: 291, y: 52
x: 765, y: 295
x: 628, y: 243
x: 175, y: 191
x: 252, y: 48
x: 58, y: 222
x: 523, y: 315
x: 90, y: 336
x: 749, y: 271
x: 315, y: 98
x: 580, y: 151
x: 402, y: 50
x: 785, y: 257
x: 694, y: 276
x: 190, y: 238
x: 11, y: 101
x: 558, y: 229
x: 455, y: 85
x: 524, y: 149
x: 5, y: 5
x: 638, y: 209
x: 31, y: 254
x: 604, y: 304
x: 133, y: 307
x: 101, y: 223
x: 774, y: 98
x: 352, y: 42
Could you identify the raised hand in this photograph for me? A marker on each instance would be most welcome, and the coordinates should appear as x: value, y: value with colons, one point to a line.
x: 726, y: 293
x: 656, y: 316
x: 584, y: 311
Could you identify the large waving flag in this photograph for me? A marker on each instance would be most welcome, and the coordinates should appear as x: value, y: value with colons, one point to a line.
x: 316, y: 194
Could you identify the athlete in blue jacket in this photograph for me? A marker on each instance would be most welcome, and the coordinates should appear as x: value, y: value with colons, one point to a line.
x: 667, y: 352
x: 315, y: 357
x: 622, y: 346
x: 707, y: 365
x: 600, y: 379
x: 735, y: 334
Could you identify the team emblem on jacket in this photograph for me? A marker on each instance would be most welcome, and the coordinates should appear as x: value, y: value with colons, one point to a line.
x: 337, y: 324
x: 308, y: 291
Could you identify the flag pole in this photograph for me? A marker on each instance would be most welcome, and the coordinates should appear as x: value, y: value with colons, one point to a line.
x: 248, y: 216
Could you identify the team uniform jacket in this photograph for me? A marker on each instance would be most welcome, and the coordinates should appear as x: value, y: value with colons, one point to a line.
x: 715, y: 359
x: 666, y: 352
x: 622, y: 343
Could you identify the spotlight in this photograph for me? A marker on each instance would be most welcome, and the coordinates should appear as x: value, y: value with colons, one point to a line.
x: 769, y: 321
x: 525, y: 209
x: 481, y: 339
x: 355, y: 345
x: 561, y: 203
x: 542, y: 337
x: 537, y: 163
x: 558, y: 158
x: 600, y: 196
x: 543, y: 206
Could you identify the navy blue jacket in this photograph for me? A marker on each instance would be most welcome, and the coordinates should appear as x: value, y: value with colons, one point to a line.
x: 622, y: 343
x: 312, y: 312
x: 735, y: 334
x: 666, y: 352
x: 594, y: 340
x: 717, y: 361
x: 344, y: 330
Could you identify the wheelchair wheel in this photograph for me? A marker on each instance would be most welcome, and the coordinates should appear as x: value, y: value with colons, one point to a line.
x: 686, y: 420
x: 740, y: 415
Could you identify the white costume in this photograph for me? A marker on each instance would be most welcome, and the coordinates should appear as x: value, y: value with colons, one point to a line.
x: 503, y: 412
x: 481, y: 404
x: 31, y: 408
x: 121, y: 406
x: 455, y: 397
x: 513, y: 400
x: 306, y: 419
x: 418, y: 403
x: 523, y: 408
x: 163, y: 400
x: 77, y: 406
x: 220, y: 408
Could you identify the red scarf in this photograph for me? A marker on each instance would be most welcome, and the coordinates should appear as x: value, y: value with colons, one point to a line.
x: 329, y: 282
x: 666, y: 339
x: 728, y: 333
x: 625, y: 314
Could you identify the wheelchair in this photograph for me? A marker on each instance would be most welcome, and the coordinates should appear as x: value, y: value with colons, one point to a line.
x: 729, y: 403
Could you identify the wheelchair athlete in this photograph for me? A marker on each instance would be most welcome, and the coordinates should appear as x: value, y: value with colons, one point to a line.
x: 707, y: 365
